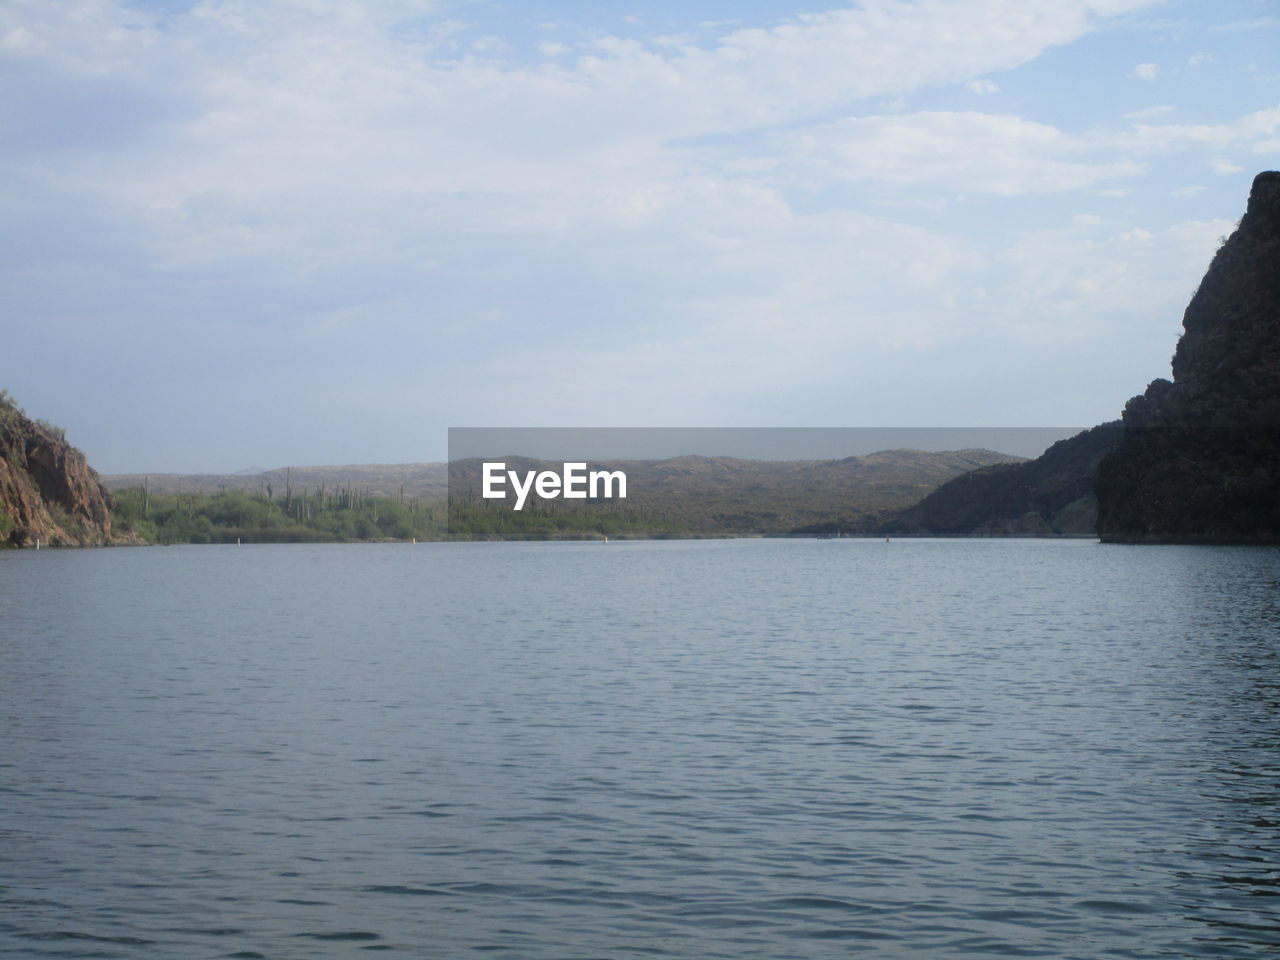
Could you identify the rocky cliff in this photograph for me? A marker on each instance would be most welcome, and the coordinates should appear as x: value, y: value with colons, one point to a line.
x: 1049, y: 496
x: 1199, y: 456
x: 48, y: 492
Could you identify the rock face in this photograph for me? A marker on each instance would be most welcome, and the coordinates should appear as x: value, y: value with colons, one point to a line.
x: 1199, y: 457
x: 1049, y: 496
x: 48, y: 492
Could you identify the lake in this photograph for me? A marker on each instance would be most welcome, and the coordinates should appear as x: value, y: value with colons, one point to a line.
x: 716, y: 749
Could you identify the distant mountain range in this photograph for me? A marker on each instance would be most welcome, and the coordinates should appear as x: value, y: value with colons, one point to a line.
x: 425, y: 480
x: 729, y: 495
x: 698, y: 494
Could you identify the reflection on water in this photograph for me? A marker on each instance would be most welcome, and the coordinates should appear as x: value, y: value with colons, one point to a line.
x: 725, y: 749
x: 1235, y: 702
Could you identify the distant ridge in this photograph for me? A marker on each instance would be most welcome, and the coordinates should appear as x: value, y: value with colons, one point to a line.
x: 731, y: 496
x: 1050, y: 496
x: 707, y: 496
x: 426, y: 480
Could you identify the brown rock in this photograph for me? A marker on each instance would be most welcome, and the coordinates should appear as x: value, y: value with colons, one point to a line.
x: 48, y: 492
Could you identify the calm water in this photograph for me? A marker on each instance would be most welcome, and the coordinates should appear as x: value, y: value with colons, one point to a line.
x: 721, y: 749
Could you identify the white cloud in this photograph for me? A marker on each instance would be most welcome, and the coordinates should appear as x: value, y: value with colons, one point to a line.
x: 319, y: 137
x: 310, y: 121
x: 1151, y: 139
x: 965, y: 151
x: 294, y: 114
x: 293, y: 176
x: 1247, y: 26
x: 1054, y: 293
x: 1067, y: 283
x: 745, y: 77
x: 1146, y: 71
x: 1149, y: 113
x: 790, y: 299
x: 1225, y: 168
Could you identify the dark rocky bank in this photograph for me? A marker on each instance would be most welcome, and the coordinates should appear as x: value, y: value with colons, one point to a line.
x: 1199, y: 456
x: 1195, y: 459
x: 1051, y: 496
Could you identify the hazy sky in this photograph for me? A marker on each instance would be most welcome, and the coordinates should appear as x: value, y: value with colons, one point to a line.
x: 270, y: 232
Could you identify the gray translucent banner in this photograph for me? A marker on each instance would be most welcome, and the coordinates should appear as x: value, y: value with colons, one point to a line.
x: 584, y: 483
x: 751, y: 443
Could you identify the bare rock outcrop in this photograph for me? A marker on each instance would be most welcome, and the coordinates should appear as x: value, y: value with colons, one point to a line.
x: 1199, y: 458
x: 1050, y: 496
x: 48, y: 492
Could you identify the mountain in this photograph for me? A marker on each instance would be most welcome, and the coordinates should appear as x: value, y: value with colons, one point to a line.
x: 425, y: 480
x: 1199, y: 456
x: 711, y: 496
x: 1195, y: 459
x: 48, y: 493
x: 1051, y: 495
x: 676, y: 497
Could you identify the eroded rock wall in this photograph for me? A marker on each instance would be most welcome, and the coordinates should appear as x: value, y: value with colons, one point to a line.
x: 48, y: 492
x: 1199, y: 459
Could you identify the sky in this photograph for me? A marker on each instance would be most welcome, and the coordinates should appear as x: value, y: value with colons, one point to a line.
x: 255, y: 233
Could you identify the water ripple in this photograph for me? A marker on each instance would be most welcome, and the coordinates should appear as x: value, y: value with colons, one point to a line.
x: 720, y: 750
